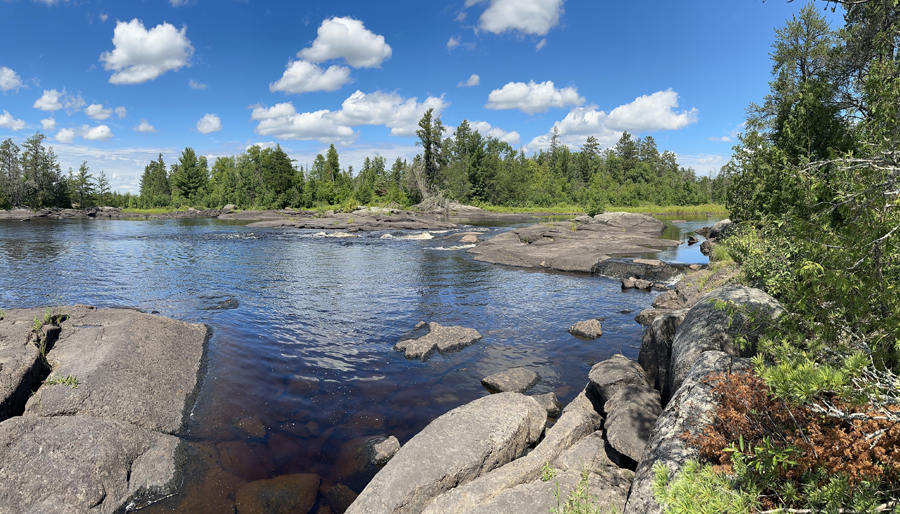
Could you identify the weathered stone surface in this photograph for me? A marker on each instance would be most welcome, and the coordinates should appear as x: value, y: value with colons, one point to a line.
x: 707, y: 328
x: 383, y: 451
x: 20, y: 363
x: 628, y: 283
x: 436, y: 338
x: 721, y: 229
x: 630, y: 416
x: 588, y: 453
x: 287, y: 494
x: 646, y: 316
x: 656, y: 349
x: 692, y: 240
x: 589, y: 329
x: 515, y: 380
x: 647, y: 269
x: 73, y: 464
x: 578, y: 419
x: 667, y: 300
x: 644, y: 285
x: 692, y: 286
x: 608, y: 377
x: 453, y: 450
x: 359, y: 220
x: 131, y: 366
x: 575, y: 245
x: 550, y: 403
x: 365, y: 455
x: 339, y: 498
x: 707, y: 246
x: 688, y: 411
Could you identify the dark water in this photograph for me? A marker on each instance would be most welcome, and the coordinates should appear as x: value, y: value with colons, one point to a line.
x: 302, y: 353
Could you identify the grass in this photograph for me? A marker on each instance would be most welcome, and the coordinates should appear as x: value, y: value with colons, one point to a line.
x: 581, y: 501
x: 70, y: 380
x: 706, y: 208
x: 155, y: 210
x: 547, y: 473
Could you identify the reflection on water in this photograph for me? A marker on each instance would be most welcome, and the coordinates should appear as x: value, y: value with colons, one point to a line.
x: 301, y: 362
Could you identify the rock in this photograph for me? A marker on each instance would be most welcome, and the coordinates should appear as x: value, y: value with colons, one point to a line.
x: 644, y: 285
x: 287, y: 494
x: 83, y: 464
x: 628, y: 283
x: 515, y: 380
x: 656, y: 349
x: 362, y: 220
x: 707, y: 328
x: 133, y: 367
x: 693, y: 285
x: 228, y: 208
x: 667, y: 300
x: 647, y: 269
x: 631, y: 415
x: 590, y: 329
x: 440, y: 338
x: 20, y: 362
x: 707, y: 246
x: 589, y: 453
x: 692, y: 240
x: 579, y: 419
x: 608, y: 377
x: 454, y: 449
x: 384, y: 451
x: 678, y: 221
x: 695, y: 267
x: 703, y: 232
x: 251, y: 427
x: 688, y: 411
x: 469, y: 239
x: 575, y: 245
x: 339, y: 498
x: 646, y: 316
x: 550, y: 403
x: 721, y: 229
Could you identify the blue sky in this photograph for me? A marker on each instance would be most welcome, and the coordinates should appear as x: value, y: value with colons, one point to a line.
x: 117, y: 82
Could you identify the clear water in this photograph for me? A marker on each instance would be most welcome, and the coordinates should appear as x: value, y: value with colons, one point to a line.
x: 308, y: 351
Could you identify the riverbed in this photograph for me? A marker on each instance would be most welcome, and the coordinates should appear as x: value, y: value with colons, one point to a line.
x: 301, y: 361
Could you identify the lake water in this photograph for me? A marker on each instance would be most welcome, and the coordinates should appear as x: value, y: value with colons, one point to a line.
x: 301, y: 361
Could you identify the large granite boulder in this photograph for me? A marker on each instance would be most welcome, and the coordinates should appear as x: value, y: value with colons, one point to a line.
x: 130, y: 366
x: 514, y: 380
x: 630, y: 416
x: 714, y: 322
x: 721, y: 229
x: 588, y: 329
x: 71, y: 464
x: 579, y: 419
x: 656, y: 349
x: 608, y: 377
x: 453, y: 450
x: 689, y: 411
x: 431, y: 337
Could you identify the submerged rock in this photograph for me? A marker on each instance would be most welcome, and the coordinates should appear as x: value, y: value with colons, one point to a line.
x: 438, y: 338
x: 589, y: 329
x: 515, y: 380
x: 287, y: 494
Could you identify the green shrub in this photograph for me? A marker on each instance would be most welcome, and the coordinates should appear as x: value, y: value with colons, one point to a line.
x: 699, y: 489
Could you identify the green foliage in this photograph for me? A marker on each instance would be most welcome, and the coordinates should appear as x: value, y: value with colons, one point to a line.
x: 699, y: 489
x: 69, y: 380
x: 547, y: 473
x: 580, y: 501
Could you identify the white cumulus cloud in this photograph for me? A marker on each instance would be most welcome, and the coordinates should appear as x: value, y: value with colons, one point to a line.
x: 9, y: 80
x: 98, y: 133
x: 48, y: 124
x: 348, y: 39
x: 532, y: 98
x: 7, y: 121
x: 399, y: 114
x: 283, y: 122
x: 453, y: 42
x: 535, y: 17
x: 196, y: 85
x: 208, y: 124
x: 485, y: 129
x: 65, y: 136
x: 98, y: 112
x: 121, y: 112
x: 141, y: 55
x: 53, y: 100
x: 474, y: 80
x: 143, y: 126
x: 303, y: 77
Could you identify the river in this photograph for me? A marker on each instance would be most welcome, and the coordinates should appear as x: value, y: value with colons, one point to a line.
x: 302, y: 352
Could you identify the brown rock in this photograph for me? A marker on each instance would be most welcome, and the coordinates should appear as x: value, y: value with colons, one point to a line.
x: 287, y: 494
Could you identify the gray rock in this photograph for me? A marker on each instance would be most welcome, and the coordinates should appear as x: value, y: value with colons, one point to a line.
x: 608, y: 377
x: 647, y: 269
x: 644, y: 285
x: 439, y: 338
x: 575, y: 245
x: 630, y: 416
x: 130, y: 366
x: 360, y: 220
x: 339, y: 498
x: 286, y: 494
x: 628, y: 283
x: 667, y: 300
x: 453, y: 450
x: 656, y: 349
x: 707, y: 246
x: 589, y: 329
x: 692, y: 240
x: 688, y: 411
x: 707, y: 328
x: 578, y: 419
x: 550, y: 403
x: 515, y: 380
x: 589, y: 453
x: 83, y: 464
x: 646, y: 316
x: 20, y: 362
x: 383, y: 451
x: 721, y: 229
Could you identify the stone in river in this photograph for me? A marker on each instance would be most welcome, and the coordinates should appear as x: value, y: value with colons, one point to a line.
x: 438, y: 338
x: 287, y: 494
x: 516, y: 380
x: 589, y: 329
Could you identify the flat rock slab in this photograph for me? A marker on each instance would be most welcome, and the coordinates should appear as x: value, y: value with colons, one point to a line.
x: 436, y: 338
x: 631, y: 416
x: 454, y: 449
x: 550, y: 403
x: 20, y: 362
x: 132, y: 367
x: 286, y: 494
x: 589, y: 329
x: 515, y: 380
x: 82, y: 464
x: 608, y: 377
x: 358, y: 221
x: 575, y: 245
x: 646, y: 269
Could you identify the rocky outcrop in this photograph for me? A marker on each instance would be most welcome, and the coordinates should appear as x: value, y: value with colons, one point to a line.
x: 550, y: 403
x: 656, y: 349
x: 360, y: 220
x: 514, y: 380
x: 96, y: 434
x: 453, y: 450
x: 588, y: 329
x: 688, y: 411
x: 721, y: 229
x: 687, y: 291
x: 431, y: 337
x: 575, y: 245
x: 104, y: 213
x: 714, y: 322
x: 653, y: 270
